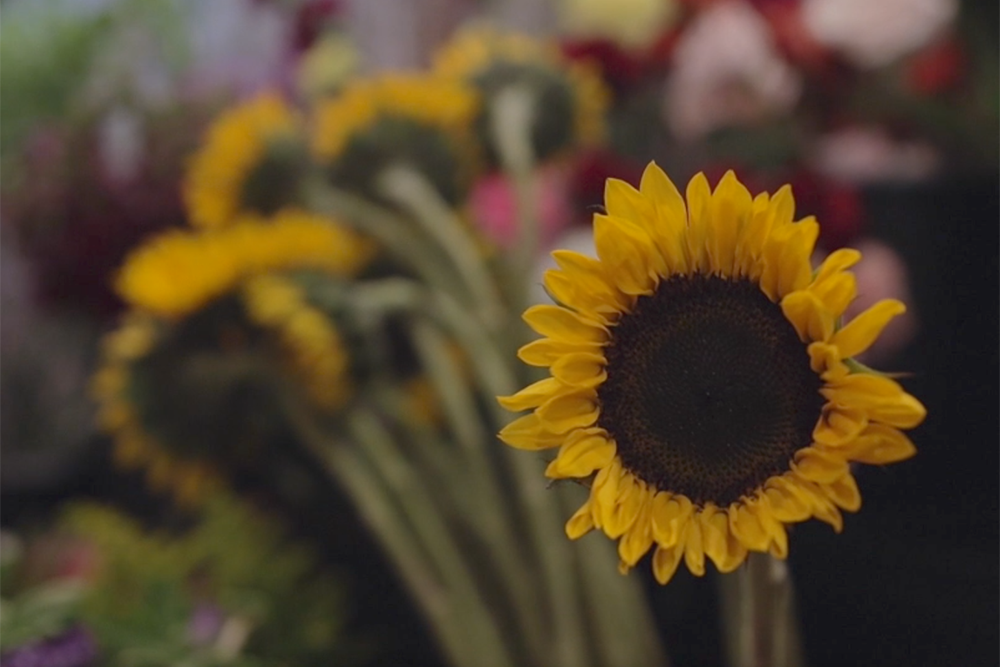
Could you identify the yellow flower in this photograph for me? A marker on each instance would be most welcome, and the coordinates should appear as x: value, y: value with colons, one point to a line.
x: 314, y: 349
x: 633, y: 24
x: 570, y: 99
x: 180, y: 271
x: 421, y: 121
x: 189, y: 481
x: 700, y: 372
x: 251, y: 162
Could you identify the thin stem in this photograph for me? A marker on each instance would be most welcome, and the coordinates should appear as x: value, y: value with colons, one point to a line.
x: 513, y: 118
x: 396, y: 234
x: 411, y: 189
x: 387, y: 458
x: 373, y: 502
x: 759, y: 615
x: 623, y: 631
x: 491, y: 517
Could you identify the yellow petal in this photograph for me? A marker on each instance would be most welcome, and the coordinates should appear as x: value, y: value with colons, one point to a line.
x: 528, y: 432
x: 623, y: 201
x: 774, y: 528
x: 580, y: 523
x: 879, y: 444
x: 582, y: 454
x: 817, y: 465
x: 837, y: 261
x: 715, y: 535
x: 819, y: 504
x: 604, y: 492
x: 571, y: 294
x: 624, y: 255
x: 639, y: 538
x: 836, y: 292
x: 533, y: 395
x: 744, y: 525
x: 665, y: 562
x: 546, y: 351
x: 858, y: 335
x: 784, y: 505
x: 812, y: 321
x: 825, y: 359
x: 750, y: 247
x: 883, y: 399
x: 566, y: 412
x: 796, y: 267
x: 583, y: 369
x: 844, y: 493
x: 730, y: 208
x: 839, y: 426
x: 657, y: 187
x: 561, y: 324
x: 669, y: 516
x: 670, y: 227
x: 632, y: 496
x: 699, y: 196
x: 694, y: 549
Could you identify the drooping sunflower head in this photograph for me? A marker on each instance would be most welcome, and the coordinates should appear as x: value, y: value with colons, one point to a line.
x: 418, y: 121
x: 702, y: 378
x: 252, y: 162
x: 222, y: 322
x: 568, y: 100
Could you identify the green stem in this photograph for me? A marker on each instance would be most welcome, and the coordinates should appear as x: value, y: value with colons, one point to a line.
x: 513, y: 118
x: 469, y: 604
x: 758, y: 605
x: 373, y: 502
x: 396, y: 234
x: 492, y: 515
x: 624, y: 632
x: 411, y: 189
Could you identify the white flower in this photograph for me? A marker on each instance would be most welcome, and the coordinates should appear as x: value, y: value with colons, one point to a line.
x: 727, y: 72
x: 873, y: 33
x: 629, y: 23
x: 868, y: 154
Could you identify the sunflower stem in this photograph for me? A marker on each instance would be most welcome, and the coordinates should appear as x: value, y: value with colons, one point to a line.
x: 491, y: 517
x: 392, y: 231
x: 624, y: 634
x: 411, y: 189
x: 759, y: 615
x: 374, y: 503
x: 512, y: 120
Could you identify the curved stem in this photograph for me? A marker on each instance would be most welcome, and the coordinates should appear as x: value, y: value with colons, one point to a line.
x: 513, y: 118
x: 413, y: 191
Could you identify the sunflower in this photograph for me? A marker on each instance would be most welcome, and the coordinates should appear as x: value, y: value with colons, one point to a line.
x: 570, y: 98
x: 180, y: 271
x: 188, y: 380
x: 189, y: 480
x: 701, y: 374
x: 418, y: 120
x: 252, y: 161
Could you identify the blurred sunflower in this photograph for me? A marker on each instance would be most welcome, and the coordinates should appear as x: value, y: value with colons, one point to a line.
x: 221, y: 323
x: 252, y: 162
x: 700, y: 369
x: 189, y: 480
x: 569, y: 100
x: 419, y: 121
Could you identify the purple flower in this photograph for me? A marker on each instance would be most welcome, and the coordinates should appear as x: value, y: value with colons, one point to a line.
x: 74, y: 648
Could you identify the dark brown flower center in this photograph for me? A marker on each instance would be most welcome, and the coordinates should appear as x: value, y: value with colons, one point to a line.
x: 709, y: 389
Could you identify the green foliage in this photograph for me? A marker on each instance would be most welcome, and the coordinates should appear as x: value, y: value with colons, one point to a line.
x: 151, y: 584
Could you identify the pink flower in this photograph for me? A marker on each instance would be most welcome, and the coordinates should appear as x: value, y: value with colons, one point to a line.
x: 728, y: 71
x: 494, y: 206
